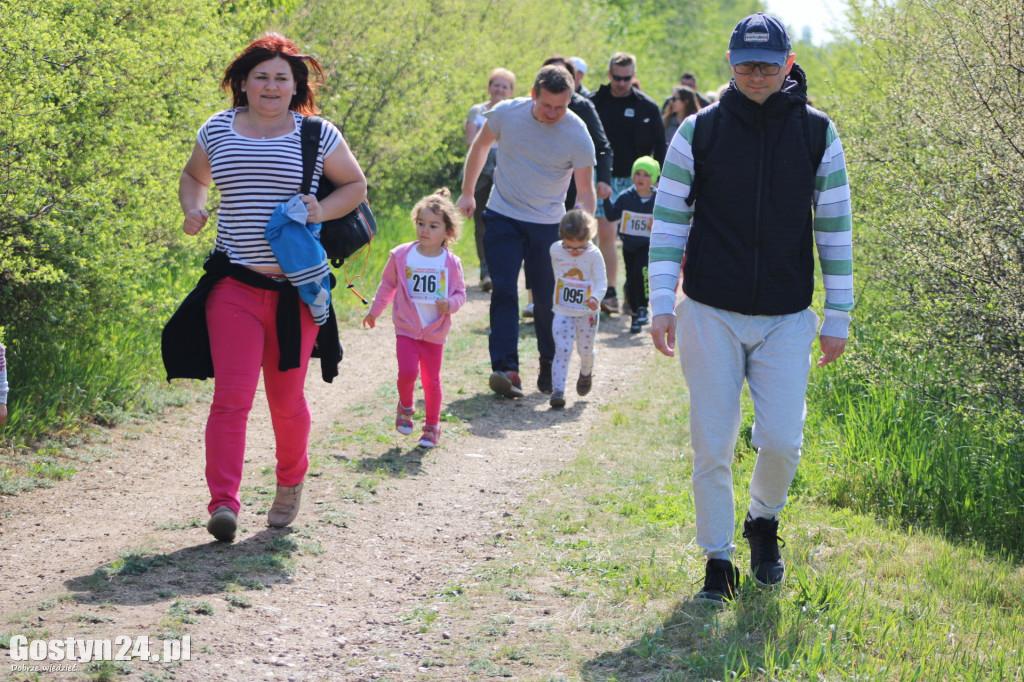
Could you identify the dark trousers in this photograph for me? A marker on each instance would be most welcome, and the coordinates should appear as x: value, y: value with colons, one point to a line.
x: 481, y: 193
x: 508, y: 244
x: 635, y: 259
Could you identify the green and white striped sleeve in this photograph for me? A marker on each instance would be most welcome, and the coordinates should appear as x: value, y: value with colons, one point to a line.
x: 833, y: 236
x: 671, y: 220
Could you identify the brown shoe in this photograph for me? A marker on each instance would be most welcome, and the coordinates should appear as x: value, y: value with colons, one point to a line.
x: 584, y: 383
x: 222, y: 523
x: 286, y: 505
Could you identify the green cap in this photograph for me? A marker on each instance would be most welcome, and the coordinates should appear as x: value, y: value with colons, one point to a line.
x: 648, y: 164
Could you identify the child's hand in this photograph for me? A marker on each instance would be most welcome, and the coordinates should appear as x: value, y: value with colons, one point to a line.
x: 443, y: 306
x: 3, y: 413
x: 593, y: 303
x: 370, y: 321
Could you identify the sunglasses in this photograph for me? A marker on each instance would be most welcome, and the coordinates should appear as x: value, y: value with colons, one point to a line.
x: 622, y: 79
x: 747, y: 68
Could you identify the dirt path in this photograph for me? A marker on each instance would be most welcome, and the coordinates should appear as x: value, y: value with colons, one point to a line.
x: 384, y: 534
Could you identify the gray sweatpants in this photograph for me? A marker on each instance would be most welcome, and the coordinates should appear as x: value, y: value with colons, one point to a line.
x: 718, y: 350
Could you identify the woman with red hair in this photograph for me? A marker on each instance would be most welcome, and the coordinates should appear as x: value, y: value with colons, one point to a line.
x: 250, y: 318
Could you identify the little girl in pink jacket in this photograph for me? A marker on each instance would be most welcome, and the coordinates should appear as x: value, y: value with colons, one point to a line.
x: 424, y: 280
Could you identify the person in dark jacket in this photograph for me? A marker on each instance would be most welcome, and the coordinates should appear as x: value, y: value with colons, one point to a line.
x: 746, y: 206
x: 584, y: 108
x: 632, y: 121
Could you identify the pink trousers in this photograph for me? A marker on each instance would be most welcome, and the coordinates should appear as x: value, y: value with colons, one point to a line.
x: 243, y: 339
x: 420, y: 358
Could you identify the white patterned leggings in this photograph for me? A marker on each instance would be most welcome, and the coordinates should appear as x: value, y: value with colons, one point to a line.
x: 565, y: 329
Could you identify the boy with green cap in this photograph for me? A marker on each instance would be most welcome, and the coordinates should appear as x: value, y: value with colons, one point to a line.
x: 634, y: 211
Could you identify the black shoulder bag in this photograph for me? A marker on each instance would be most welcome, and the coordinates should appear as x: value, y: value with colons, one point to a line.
x: 340, y: 237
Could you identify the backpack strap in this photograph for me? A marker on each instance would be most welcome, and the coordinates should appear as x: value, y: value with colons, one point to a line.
x: 310, y: 136
x: 704, y: 130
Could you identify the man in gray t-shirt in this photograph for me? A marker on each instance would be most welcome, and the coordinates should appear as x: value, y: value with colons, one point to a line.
x: 542, y: 145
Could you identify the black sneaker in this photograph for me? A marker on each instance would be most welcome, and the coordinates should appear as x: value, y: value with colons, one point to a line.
x: 643, y: 315
x: 636, y: 326
x: 721, y: 579
x: 544, y: 376
x: 766, y: 564
x: 584, y: 384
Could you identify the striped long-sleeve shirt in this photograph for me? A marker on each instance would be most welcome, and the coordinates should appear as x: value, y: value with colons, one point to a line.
x: 832, y: 228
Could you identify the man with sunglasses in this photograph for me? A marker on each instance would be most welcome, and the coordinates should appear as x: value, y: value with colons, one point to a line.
x: 632, y: 121
x: 747, y: 204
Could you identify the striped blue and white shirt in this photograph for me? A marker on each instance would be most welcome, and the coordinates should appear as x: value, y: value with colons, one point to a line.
x: 253, y: 177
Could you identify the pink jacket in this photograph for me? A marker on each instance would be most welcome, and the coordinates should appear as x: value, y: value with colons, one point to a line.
x: 403, y: 312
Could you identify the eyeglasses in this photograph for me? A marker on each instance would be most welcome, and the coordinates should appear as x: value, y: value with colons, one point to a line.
x: 574, y: 249
x: 623, y: 79
x: 747, y: 68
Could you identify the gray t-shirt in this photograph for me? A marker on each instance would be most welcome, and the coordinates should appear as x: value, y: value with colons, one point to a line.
x: 535, y: 161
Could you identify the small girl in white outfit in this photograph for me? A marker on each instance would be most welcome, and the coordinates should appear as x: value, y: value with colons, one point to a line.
x: 580, y: 284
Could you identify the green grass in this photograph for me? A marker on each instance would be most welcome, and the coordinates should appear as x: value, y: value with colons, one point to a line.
x: 867, y: 596
x: 878, y: 446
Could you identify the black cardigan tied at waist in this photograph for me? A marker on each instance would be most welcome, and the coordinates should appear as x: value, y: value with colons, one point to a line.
x: 185, y: 343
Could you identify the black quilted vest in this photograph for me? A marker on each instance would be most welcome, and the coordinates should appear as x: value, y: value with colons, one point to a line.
x: 751, y: 247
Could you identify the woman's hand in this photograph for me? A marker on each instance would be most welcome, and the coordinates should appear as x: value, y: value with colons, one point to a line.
x: 313, y: 208
x: 194, y: 221
x: 443, y: 306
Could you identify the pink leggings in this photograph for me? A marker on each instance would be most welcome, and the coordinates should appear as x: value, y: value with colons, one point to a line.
x: 243, y: 338
x: 415, y: 357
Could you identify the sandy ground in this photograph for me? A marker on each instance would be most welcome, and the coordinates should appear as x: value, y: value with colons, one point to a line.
x: 363, y: 561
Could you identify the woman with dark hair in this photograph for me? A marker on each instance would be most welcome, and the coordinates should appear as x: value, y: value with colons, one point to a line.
x: 681, y: 104
x: 500, y: 86
x: 246, y: 315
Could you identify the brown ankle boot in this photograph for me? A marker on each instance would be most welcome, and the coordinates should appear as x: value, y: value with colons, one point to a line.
x: 286, y: 505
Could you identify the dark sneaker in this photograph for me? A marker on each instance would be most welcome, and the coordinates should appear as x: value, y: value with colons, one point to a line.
x: 222, y: 523
x: 506, y: 384
x: 721, y: 579
x: 486, y: 284
x: 610, y: 305
x: 584, y: 383
x: 643, y: 315
x: 766, y: 564
x: 557, y: 399
x: 636, y: 326
x: 528, y: 310
x: 544, y: 377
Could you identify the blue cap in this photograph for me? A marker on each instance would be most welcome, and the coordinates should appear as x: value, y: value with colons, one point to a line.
x: 759, y: 38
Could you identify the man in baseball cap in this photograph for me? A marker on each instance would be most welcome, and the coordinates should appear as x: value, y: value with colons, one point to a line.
x: 579, y: 68
x: 760, y: 44
x: 750, y: 188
